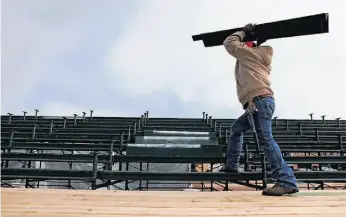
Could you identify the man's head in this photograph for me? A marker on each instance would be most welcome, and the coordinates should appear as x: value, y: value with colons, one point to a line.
x: 250, y: 44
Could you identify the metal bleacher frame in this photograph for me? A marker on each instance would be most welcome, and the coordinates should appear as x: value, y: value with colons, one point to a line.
x: 35, y: 133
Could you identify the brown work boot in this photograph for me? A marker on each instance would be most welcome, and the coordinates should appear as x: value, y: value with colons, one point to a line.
x: 227, y: 169
x: 278, y: 190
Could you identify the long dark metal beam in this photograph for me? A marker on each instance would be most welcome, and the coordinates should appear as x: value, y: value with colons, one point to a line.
x: 210, y: 176
x: 308, y: 25
x: 313, y: 159
x: 52, y: 139
x: 59, y: 146
x: 189, y: 176
x: 80, y: 158
x: 161, y: 159
x: 193, y: 159
x: 45, y: 174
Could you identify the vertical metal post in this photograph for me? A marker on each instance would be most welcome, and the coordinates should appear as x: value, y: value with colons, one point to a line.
x: 121, y: 140
x: 215, y: 130
x: 34, y: 132
x: 91, y: 114
x: 193, y: 167
x: 75, y: 120
x: 323, y: 119
x: 129, y: 133
x: 65, y: 120
x: 147, y: 181
x: 134, y: 128
x: 51, y: 127
x: 276, y: 121
x: 246, y: 156
x: 127, y: 181
x: 206, y: 118
x: 338, y: 122
x: 9, y: 118
x: 317, y: 135
x: 147, y: 116
x: 220, y: 128
x: 139, y: 123
x: 110, y: 159
x: 210, y: 121
x: 253, y: 128
x: 211, y: 182
x: 311, y: 118
x: 36, y: 112
x: 95, y: 161
x: 24, y: 115
x: 140, y: 169
x: 120, y: 162
x: 10, y: 145
x: 319, y: 165
x: 203, y: 116
x: 342, y: 150
x: 300, y: 129
x: 84, y: 113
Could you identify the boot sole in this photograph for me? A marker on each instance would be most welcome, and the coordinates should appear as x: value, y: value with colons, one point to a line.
x: 288, y: 193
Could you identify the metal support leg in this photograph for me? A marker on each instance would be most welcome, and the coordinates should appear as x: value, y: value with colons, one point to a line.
x: 36, y: 112
x: 300, y: 129
x: 128, y: 133
x: 91, y: 114
x: 84, y: 113
x: 75, y: 120
x: 338, y: 122
x: 51, y: 127
x: 24, y: 115
x: 65, y: 122
x: 95, y: 161
x: 323, y: 119
x: 140, y: 123
x: 220, y: 128
x: 134, y: 128
x: 276, y: 121
x: 250, y: 111
x: 10, y: 117
x: 33, y: 136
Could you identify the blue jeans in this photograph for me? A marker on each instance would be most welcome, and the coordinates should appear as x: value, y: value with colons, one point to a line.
x: 281, y: 172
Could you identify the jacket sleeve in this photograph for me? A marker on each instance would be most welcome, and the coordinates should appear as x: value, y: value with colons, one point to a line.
x: 235, y: 47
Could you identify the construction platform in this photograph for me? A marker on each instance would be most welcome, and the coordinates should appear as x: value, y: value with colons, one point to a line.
x: 78, y: 203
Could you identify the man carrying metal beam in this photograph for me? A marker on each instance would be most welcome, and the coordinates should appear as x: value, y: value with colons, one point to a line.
x: 252, y: 72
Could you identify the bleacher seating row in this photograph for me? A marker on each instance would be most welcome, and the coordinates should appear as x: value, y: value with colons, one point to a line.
x: 106, y: 151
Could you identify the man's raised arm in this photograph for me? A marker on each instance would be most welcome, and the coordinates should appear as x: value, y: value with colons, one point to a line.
x: 233, y: 43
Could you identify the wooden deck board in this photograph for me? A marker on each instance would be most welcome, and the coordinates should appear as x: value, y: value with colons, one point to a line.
x: 78, y: 203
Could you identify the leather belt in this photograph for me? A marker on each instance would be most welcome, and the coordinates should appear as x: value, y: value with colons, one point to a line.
x: 256, y: 98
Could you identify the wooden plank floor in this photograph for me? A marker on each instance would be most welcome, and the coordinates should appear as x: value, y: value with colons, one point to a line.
x: 83, y: 203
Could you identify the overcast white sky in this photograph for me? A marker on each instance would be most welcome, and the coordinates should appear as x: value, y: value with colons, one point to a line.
x: 125, y: 57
